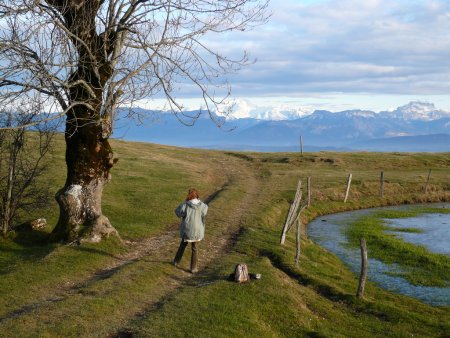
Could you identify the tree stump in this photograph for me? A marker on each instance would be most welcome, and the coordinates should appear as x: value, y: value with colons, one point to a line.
x: 241, y: 273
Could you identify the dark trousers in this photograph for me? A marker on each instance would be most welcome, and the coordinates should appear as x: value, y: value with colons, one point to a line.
x: 180, y: 253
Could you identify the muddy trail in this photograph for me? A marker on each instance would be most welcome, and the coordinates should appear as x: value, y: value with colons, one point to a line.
x: 222, y: 229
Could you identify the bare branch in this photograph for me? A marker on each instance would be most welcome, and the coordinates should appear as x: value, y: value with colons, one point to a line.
x: 104, y: 54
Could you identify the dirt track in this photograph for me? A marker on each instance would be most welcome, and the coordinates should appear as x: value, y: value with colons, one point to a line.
x: 222, y: 230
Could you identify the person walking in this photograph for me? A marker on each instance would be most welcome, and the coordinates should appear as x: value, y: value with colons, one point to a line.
x: 192, y: 228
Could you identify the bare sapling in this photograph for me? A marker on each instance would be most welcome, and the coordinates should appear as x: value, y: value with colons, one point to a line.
x: 22, y: 162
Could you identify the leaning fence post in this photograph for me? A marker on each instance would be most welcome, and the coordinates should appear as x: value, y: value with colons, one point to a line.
x: 382, y: 184
x: 349, y: 181
x: 292, y: 211
x: 364, y: 264
x: 428, y: 181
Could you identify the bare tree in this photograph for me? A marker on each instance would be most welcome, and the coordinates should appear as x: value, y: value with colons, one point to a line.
x: 85, y: 58
x: 21, y: 163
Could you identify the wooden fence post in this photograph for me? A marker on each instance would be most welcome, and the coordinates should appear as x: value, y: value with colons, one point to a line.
x: 297, y: 253
x: 292, y: 211
x: 301, y: 145
x: 308, y: 202
x: 428, y: 181
x: 349, y: 181
x: 364, y: 264
x: 382, y: 184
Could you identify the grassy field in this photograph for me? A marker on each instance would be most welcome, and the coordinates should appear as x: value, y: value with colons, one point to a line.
x: 129, y: 288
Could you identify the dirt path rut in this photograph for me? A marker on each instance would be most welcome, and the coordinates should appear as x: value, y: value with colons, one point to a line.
x: 228, y: 206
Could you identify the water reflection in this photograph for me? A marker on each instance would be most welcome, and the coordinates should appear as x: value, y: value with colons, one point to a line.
x: 435, y: 235
x: 328, y: 231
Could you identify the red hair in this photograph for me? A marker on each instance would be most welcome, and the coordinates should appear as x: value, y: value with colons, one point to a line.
x: 192, y: 194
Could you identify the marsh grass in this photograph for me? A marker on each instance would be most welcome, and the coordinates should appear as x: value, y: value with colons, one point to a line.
x: 419, y: 265
x: 408, y: 230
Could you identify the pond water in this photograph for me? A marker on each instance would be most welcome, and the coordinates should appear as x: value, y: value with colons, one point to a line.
x: 328, y: 231
x: 435, y: 235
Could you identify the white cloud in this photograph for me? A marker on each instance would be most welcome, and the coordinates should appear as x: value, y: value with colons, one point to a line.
x: 338, y: 55
x: 350, y: 46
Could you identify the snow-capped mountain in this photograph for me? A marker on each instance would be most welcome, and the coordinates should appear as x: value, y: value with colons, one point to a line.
x: 423, y: 111
x: 413, y: 127
x: 418, y: 111
x: 243, y: 109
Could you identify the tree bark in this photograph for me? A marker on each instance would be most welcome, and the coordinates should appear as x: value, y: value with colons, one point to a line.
x: 89, y: 159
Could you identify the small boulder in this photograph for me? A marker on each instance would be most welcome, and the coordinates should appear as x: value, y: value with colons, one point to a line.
x: 36, y: 224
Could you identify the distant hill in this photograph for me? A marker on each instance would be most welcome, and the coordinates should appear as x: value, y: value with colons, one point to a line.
x: 421, y: 143
x: 413, y: 127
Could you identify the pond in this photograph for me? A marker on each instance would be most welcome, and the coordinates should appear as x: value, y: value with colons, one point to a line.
x: 433, y: 233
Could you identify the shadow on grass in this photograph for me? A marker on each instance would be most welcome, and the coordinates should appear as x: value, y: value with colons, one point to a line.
x: 323, y: 289
x: 24, y: 246
x: 32, y: 246
x: 93, y: 251
x: 385, y: 312
x: 31, y: 238
x: 215, y: 194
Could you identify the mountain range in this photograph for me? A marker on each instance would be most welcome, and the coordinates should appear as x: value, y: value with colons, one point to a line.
x: 416, y: 126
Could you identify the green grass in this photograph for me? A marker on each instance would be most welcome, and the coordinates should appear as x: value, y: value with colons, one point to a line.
x: 421, y: 267
x: 407, y: 230
x: 58, y: 291
x: 287, y: 301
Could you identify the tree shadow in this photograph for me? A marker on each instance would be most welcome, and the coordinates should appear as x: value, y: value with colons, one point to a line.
x: 28, y: 246
x: 32, y: 246
x: 31, y: 238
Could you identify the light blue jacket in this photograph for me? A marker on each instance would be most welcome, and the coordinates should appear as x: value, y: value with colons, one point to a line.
x: 192, y: 226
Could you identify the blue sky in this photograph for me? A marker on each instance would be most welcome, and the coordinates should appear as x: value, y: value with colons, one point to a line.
x: 371, y: 54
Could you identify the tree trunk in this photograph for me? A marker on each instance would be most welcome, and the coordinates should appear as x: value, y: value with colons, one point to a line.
x: 89, y: 156
x: 89, y: 159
